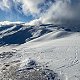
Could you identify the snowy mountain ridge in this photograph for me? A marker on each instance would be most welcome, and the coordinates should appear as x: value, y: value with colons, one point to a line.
x: 19, y: 33
x: 49, y: 51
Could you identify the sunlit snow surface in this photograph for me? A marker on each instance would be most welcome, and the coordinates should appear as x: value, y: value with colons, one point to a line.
x: 48, y: 47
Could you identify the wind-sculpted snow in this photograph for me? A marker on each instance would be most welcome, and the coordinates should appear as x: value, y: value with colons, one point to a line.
x: 58, y: 51
x: 48, y: 52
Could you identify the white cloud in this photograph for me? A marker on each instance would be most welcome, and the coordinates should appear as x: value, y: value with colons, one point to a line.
x: 59, y: 12
x: 28, y: 6
x: 31, y: 6
x: 4, y: 4
x: 63, y: 12
x: 35, y: 22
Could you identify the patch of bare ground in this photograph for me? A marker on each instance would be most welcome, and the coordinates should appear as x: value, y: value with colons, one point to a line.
x: 12, y: 71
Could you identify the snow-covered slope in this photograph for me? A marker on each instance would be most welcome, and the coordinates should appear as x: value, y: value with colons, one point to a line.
x: 50, y: 47
x: 18, y: 33
x: 58, y: 51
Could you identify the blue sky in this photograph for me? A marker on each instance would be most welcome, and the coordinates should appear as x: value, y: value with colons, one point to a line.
x: 16, y: 12
x: 14, y: 16
x: 46, y: 11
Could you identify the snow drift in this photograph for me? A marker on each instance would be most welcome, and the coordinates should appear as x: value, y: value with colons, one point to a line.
x: 46, y: 48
